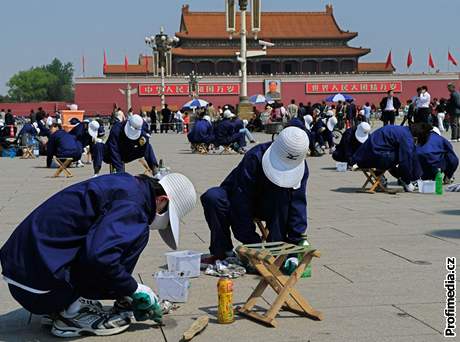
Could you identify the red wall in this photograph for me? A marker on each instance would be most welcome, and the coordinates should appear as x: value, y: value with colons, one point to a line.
x: 100, y: 97
x: 23, y: 109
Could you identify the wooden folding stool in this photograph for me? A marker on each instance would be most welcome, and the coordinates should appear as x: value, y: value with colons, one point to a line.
x: 268, y: 259
x: 200, y: 148
x: 63, y: 167
x: 375, y: 181
x: 263, y: 229
x: 27, y: 152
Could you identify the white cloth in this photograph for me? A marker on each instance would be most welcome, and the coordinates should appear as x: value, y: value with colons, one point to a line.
x: 24, y: 287
x: 423, y: 101
x: 390, y: 106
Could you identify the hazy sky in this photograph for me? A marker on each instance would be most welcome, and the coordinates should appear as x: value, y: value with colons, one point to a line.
x: 35, y: 31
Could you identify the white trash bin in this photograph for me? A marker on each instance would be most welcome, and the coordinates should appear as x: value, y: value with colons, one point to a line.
x: 184, y: 261
x: 172, y: 286
x: 341, y: 167
x: 426, y: 187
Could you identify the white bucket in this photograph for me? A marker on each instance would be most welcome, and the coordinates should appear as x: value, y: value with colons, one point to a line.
x: 341, y: 167
x: 426, y: 187
x: 184, y: 261
x: 172, y: 286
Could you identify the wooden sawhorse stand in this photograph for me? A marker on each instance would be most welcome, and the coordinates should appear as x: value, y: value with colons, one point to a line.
x: 268, y: 259
x: 27, y: 152
x: 375, y: 181
x: 63, y: 165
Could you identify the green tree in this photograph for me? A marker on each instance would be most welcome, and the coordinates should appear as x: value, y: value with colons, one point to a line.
x: 52, y: 82
x: 31, y: 85
x: 62, y: 90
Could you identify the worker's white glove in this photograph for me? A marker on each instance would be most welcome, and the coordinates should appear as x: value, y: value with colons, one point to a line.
x: 355, y: 167
x: 146, y: 304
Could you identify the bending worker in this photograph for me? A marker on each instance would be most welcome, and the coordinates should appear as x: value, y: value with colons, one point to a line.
x: 62, y: 145
x: 201, y: 132
x: 435, y: 153
x: 127, y: 142
x: 82, y: 244
x: 226, y: 135
x: 351, y: 140
x: 392, y: 148
x: 269, y: 184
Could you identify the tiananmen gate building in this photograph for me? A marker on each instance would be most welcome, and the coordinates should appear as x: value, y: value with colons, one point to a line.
x: 311, y: 59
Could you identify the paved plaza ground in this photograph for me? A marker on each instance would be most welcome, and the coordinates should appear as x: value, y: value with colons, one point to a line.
x: 379, y: 279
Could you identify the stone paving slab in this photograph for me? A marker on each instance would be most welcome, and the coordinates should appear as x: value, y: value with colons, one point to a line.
x: 367, y: 282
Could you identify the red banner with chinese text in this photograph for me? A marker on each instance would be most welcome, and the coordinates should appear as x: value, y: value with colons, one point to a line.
x: 352, y: 87
x: 183, y: 89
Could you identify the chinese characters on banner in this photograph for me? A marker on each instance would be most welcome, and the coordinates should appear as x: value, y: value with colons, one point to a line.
x: 183, y: 89
x: 353, y: 87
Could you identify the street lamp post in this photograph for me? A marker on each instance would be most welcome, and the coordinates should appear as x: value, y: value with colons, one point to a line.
x: 162, y: 44
x: 193, y: 86
x: 244, y: 57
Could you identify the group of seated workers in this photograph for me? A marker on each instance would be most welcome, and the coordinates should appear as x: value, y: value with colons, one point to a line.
x: 127, y: 141
x: 408, y: 153
x: 228, y: 132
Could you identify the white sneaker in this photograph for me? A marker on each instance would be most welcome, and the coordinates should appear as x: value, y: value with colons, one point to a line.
x: 409, y: 187
x: 91, y: 321
x: 48, y: 320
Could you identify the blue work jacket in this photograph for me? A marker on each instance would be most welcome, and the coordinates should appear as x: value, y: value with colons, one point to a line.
x: 81, y: 133
x: 388, y: 147
x: 88, y: 236
x: 253, y: 195
x: 224, y: 132
x: 437, y: 153
x: 120, y: 149
x: 201, y: 133
x: 347, y: 147
x: 62, y: 145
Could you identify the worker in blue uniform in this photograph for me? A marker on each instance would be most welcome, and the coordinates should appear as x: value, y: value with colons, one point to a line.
x: 127, y: 142
x: 240, y: 127
x: 436, y: 153
x: 269, y: 184
x: 96, y: 146
x: 62, y: 145
x: 392, y: 148
x: 80, y: 131
x: 351, y: 140
x: 225, y: 133
x: 202, y: 131
x: 82, y: 244
x: 30, y: 129
x: 323, y: 130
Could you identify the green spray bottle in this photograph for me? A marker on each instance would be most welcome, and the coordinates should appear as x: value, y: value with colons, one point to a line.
x: 439, y: 179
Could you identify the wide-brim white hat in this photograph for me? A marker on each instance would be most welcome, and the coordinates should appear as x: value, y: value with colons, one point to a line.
x: 93, y: 129
x: 182, y: 199
x: 441, y: 116
x: 133, y: 127
x: 362, y: 132
x: 437, y: 131
x: 283, y: 162
x: 331, y: 123
x: 308, y: 119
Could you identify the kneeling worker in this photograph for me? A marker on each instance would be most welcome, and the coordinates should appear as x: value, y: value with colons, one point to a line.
x: 62, y: 145
x: 269, y: 184
x: 82, y: 244
x: 436, y: 153
x: 226, y: 135
x: 127, y: 142
x: 351, y: 140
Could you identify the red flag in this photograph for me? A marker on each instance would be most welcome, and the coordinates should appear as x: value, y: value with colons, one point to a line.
x: 126, y: 64
x: 83, y: 63
x: 409, y: 59
x: 431, y: 61
x: 389, y: 62
x: 105, y: 62
x: 451, y: 59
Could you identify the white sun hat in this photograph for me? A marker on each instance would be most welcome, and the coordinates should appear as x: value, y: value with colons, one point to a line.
x: 436, y: 130
x: 331, y: 123
x: 308, y: 120
x: 284, y: 161
x: 93, y: 129
x: 35, y: 125
x: 228, y: 114
x: 362, y: 132
x: 182, y: 199
x: 441, y: 116
x: 207, y: 118
x: 133, y: 127
x: 245, y: 123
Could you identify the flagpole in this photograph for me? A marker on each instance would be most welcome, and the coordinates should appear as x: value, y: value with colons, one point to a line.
x: 448, y: 62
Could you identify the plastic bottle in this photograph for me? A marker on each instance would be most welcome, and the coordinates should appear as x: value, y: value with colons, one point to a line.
x: 439, y: 179
x: 307, y: 272
x: 36, y: 148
